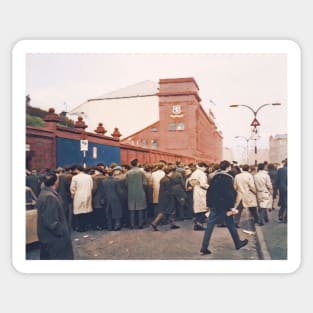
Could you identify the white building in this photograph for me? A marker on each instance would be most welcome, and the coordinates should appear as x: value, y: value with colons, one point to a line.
x: 261, y: 156
x: 228, y: 154
x: 129, y: 109
x: 278, y: 148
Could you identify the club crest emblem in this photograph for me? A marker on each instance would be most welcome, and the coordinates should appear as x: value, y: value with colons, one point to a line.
x: 176, y: 109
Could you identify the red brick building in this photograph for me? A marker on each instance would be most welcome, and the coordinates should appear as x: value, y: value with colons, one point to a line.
x: 184, y: 127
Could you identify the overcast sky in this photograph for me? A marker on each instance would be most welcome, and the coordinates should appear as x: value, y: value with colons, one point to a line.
x: 64, y: 81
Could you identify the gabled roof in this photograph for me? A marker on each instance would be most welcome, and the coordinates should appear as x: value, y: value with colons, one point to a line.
x: 141, y: 89
x: 155, y: 124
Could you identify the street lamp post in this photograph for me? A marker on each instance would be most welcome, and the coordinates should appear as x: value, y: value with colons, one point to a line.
x: 247, y: 146
x: 255, y: 122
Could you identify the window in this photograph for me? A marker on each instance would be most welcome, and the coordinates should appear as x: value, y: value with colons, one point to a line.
x: 144, y: 143
x: 180, y: 126
x: 176, y: 126
x: 154, y: 144
x: 154, y: 130
x: 172, y: 126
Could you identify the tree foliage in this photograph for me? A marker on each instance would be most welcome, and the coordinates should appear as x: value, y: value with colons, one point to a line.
x: 35, y: 117
x: 34, y: 121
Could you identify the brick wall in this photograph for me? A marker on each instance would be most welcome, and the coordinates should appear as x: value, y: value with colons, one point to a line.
x: 129, y: 152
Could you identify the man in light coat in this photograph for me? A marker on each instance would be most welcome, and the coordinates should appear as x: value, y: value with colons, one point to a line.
x: 199, y: 181
x: 246, y: 192
x: 264, y: 192
x: 156, y: 178
x: 81, y: 191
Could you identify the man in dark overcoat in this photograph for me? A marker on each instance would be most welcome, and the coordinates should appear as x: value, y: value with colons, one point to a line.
x: 98, y: 216
x: 179, y: 194
x: 166, y: 201
x: 281, y: 185
x: 52, y: 227
x: 220, y: 198
x: 109, y: 188
x: 65, y: 193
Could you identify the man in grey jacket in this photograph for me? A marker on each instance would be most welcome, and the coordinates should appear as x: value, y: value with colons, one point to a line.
x: 136, y: 181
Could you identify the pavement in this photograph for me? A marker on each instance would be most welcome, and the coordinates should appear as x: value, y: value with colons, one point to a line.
x: 266, y: 242
x: 272, y: 238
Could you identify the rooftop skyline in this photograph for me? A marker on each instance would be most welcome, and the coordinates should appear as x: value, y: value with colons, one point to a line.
x: 64, y: 81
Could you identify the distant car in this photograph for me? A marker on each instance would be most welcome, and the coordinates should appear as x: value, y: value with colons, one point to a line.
x: 31, y: 216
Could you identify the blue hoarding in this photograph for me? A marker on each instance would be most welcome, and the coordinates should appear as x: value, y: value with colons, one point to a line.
x: 68, y: 152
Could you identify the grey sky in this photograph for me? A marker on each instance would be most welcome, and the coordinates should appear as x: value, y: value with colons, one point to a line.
x: 250, y: 79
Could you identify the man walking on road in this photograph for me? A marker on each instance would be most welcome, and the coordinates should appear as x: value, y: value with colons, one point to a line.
x: 246, y: 192
x: 264, y: 193
x: 220, y: 198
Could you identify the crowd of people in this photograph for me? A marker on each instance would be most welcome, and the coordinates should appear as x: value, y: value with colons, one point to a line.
x: 135, y: 196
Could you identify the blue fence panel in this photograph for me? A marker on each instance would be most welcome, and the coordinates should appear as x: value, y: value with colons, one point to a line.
x: 68, y: 152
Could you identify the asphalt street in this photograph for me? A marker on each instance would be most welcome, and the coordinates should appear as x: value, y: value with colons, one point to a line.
x: 266, y: 242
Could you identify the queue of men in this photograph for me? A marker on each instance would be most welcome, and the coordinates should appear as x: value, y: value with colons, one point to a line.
x: 136, y: 196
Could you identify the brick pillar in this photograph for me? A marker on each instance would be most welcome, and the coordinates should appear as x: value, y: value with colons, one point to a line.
x: 100, y: 129
x: 116, y: 134
x: 51, y: 120
x: 80, y: 124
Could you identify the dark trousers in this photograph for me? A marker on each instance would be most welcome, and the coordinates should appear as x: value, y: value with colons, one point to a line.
x: 282, y: 214
x: 139, y: 214
x: 179, y: 209
x: 188, y: 209
x: 161, y: 216
x: 98, y: 218
x: 238, y: 215
x: 81, y: 222
x: 112, y: 223
x: 253, y: 218
x: 253, y: 212
x: 263, y: 217
x: 200, y: 218
x: 216, y: 215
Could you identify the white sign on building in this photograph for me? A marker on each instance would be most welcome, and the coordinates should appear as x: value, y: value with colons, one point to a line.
x: 84, y: 145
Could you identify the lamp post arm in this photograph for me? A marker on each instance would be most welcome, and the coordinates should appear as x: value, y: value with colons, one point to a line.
x: 244, y: 105
x: 262, y: 106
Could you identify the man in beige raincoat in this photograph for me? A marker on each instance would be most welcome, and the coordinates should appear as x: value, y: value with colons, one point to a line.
x: 81, y: 191
x: 199, y: 181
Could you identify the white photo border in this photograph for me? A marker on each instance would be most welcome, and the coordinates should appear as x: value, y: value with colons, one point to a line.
x: 288, y: 47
